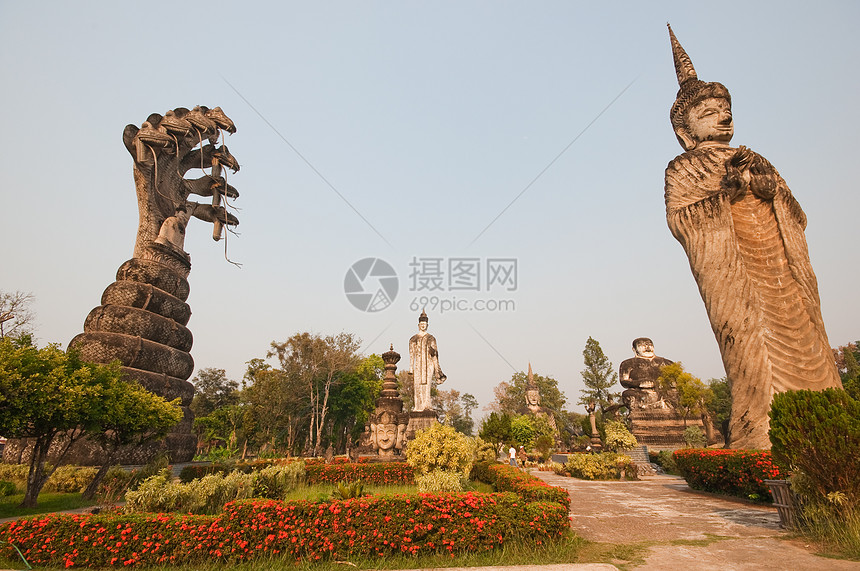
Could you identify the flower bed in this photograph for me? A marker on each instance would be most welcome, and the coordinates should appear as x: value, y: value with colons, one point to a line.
x: 383, y: 473
x: 731, y: 472
x: 300, y: 530
x: 316, y: 472
x: 506, y: 478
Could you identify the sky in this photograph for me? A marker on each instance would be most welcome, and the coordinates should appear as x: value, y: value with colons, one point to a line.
x: 514, y: 147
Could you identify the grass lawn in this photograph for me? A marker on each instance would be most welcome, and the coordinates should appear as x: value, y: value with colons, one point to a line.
x: 48, y: 502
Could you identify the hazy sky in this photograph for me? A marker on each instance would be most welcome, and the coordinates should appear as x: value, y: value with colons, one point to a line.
x: 428, y: 119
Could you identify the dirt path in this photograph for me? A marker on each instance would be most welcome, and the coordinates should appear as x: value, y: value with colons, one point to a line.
x: 683, y: 529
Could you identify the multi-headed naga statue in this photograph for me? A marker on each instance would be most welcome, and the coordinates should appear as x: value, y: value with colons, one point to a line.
x: 143, y: 314
x: 743, y: 232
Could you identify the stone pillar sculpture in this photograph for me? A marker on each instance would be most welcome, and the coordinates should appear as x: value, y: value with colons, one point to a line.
x: 591, y: 408
x: 743, y: 233
x: 533, y: 403
x: 388, y: 422
x: 143, y: 316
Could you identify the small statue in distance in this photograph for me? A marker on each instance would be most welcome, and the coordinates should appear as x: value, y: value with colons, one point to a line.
x: 639, y: 376
x: 424, y: 364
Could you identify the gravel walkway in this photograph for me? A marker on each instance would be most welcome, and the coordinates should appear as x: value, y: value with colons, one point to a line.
x: 685, y: 529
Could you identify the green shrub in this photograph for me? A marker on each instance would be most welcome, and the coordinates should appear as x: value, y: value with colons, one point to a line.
x: 70, y: 479
x: 207, y: 495
x: 277, y: 480
x: 347, y: 491
x: 694, y: 437
x: 604, y: 466
x: 440, y: 447
x: 732, y: 472
x: 15, y: 473
x: 155, y: 466
x: 439, y: 481
x: 65, y: 479
x: 484, y: 451
x: 618, y: 437
x: 114, y: 485
x: 7, y: 488
x: 665, y: 460
x: 817, y: 433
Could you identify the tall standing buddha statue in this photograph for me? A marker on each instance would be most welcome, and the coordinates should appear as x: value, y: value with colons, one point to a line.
x: 743, y: 233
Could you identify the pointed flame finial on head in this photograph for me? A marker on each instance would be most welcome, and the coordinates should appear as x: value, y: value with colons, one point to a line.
x: 531, y: 377
x: 423, y: 317
x: 683, y: 65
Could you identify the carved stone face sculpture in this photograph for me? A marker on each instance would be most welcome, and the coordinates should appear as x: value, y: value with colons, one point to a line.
x: 709, y: 122
x: 533, y: 397
x: 386, y: 436
x: 422, y: 326
x: 644, y: 347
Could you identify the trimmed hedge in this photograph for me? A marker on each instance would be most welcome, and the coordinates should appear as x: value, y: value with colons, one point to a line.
x: 316, y: 472
x: 377, y: 526
x: 506, y: 478
x: 732, y: 472
x: 382, y: 473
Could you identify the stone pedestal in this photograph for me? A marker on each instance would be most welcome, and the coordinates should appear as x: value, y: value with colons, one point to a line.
x: 661, y: 428
x: 419, y: 420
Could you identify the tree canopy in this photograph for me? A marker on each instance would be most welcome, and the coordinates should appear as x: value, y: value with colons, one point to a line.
x: 16, y: 316
x: 599, y: 377
x: 53, y: 397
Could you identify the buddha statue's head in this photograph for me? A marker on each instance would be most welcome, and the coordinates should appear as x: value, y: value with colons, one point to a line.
x: 423, y: 321
x: 702, y: 113
x: 643, y: 347
x: 386, y: 435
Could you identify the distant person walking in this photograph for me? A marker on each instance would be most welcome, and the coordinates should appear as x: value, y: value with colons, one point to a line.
x: 522, y: 457
x: 513, y: 453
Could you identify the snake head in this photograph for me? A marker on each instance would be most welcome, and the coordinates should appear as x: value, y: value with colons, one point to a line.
x: 225, y: 158
x: 197, y: 117
x: 175, y: 123
x: 220, y: 118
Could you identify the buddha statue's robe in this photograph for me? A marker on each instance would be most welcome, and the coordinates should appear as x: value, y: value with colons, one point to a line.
x: 750, y: 260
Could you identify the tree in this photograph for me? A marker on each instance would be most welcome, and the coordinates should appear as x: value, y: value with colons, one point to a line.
x: 277, y: 409
x: 213, y: 390
x: 496, y: 428
x: 456, y: 410
x: 687, y: 394
x: 406, y: 386
x: 847, y: 357
x: 511, y: 396
x: 527, y: 429
x: 129, y: 416
x: 353, y: 398
x: 318, y: 363
x: 599, y: 376
x: 719, y: 405
x: 16, y: 317
x: 55, y: 399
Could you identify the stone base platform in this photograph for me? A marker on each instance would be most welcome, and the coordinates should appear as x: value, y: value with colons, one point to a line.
x: 419, y: 420
x: 661, y: 429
